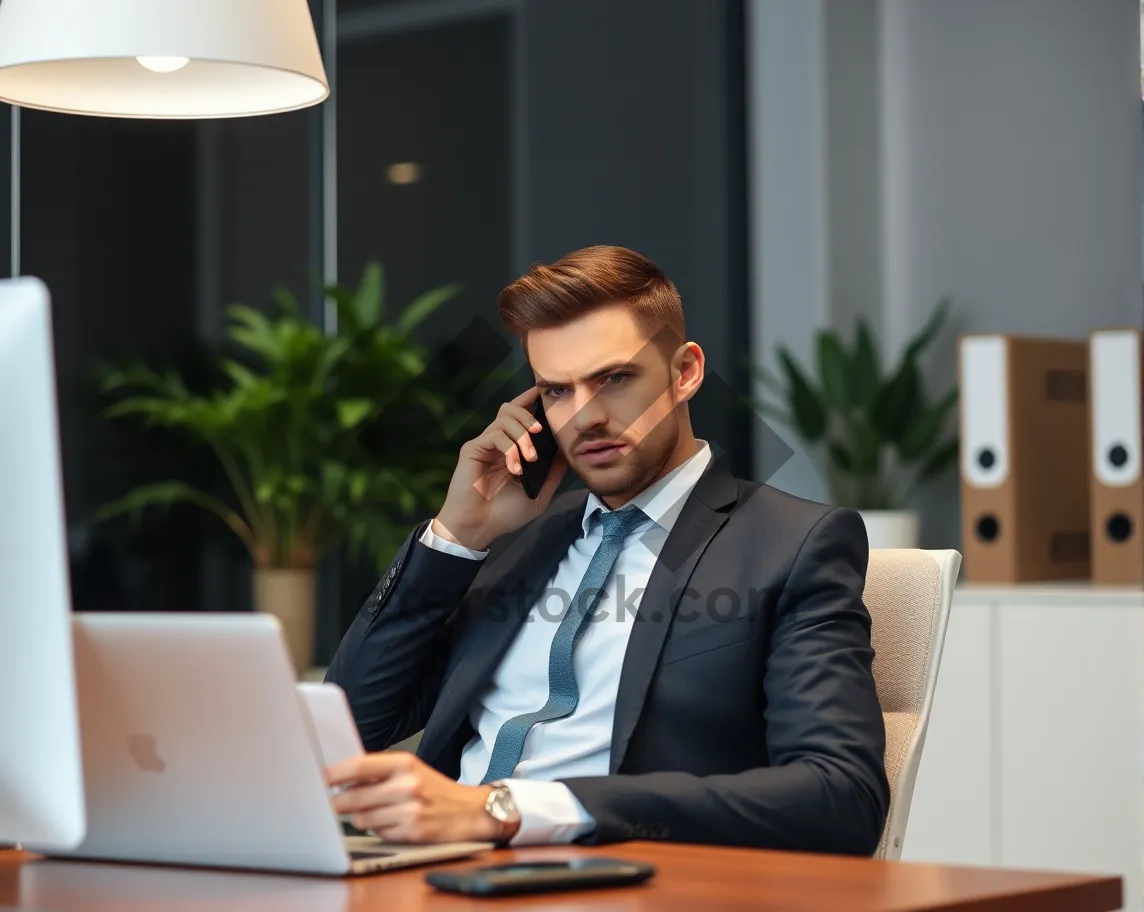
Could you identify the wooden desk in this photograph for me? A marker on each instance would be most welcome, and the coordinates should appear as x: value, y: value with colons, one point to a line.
x: 690, y: 878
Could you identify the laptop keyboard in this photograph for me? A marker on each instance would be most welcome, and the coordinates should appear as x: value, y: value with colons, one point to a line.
x: 360, y: 855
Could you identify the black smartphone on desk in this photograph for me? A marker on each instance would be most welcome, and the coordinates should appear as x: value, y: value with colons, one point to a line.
x: 533, y: 474
x: 542, y: 877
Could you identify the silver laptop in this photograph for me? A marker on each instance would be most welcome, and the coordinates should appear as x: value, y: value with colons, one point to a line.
x: 198, y: 750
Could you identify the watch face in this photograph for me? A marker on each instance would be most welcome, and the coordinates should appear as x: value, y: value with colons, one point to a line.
x: 501, y: 805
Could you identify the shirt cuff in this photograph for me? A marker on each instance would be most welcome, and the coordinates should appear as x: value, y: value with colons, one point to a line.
x: 437, y: 543
x: 549, y: 813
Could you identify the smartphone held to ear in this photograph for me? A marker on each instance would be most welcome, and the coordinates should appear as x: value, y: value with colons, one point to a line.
x: 533, y: 474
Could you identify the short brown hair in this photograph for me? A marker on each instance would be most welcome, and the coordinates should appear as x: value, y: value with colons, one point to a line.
x: 584, y: 280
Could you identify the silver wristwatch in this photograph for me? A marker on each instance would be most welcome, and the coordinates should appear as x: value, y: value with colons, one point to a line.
x: 500, y: 806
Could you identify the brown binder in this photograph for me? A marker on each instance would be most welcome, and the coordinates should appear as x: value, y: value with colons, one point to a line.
x: 1024, y: 459
x: 1116, y: 485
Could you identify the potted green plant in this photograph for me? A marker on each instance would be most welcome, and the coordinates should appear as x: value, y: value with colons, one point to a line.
x: 880, y: 433
x: 296, y: 423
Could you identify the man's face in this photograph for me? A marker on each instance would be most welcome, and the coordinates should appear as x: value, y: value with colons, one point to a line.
x: 611, y: 398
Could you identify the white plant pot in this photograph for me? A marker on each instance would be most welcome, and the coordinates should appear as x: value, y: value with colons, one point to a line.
x: 290, y: 596
x: 891, y: 528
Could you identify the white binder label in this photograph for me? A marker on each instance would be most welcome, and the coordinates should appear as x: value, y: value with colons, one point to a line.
x: 984, y: 411
x: 1114, y: 366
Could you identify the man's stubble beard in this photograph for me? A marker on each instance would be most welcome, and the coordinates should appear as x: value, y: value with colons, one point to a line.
x: 644, y: 464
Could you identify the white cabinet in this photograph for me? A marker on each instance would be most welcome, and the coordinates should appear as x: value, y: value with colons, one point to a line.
x: 1034, y: 753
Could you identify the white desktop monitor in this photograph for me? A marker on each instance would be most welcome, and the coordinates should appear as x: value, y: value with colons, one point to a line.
x: 41, y: 776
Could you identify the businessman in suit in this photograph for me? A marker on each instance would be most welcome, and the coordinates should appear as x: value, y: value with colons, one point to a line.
x: 673, y: 654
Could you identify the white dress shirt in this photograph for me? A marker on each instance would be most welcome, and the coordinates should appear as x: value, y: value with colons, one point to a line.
x: 578, y: 744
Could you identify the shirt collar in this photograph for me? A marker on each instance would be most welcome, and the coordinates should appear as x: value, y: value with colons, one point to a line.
x: 663, y: 500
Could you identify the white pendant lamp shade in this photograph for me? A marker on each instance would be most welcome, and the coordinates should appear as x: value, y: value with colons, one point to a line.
x: 160, y: 58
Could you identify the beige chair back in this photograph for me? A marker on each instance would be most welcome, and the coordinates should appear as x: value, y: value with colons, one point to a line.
x: 908, y: 593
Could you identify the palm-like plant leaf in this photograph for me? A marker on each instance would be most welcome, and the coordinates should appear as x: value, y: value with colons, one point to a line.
x: 922, y: 436
x: 291, y: 422
x: 923, y: 339
x: 167, y: 493
x: 422, y: 307
x: 865, y: 365
x: 806, y: 406
x: 877, y: 430
x: 369, y: 299
x: 834, y: 369
x: 894, y: 403
x: 940, y: 461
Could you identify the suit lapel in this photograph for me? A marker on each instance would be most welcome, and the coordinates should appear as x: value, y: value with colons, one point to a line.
x: 511, y: 586
x: 703, y: 514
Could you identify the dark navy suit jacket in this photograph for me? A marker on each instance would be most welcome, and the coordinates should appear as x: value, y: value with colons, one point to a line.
x: 746, y: 712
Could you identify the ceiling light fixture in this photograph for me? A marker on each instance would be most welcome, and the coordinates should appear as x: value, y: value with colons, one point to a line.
x: 160, y: 58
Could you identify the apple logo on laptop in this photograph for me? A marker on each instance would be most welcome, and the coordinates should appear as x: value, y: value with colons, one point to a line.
x: 143, y: 752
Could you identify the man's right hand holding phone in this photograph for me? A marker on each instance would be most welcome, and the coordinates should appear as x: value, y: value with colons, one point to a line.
x: 485, y: 498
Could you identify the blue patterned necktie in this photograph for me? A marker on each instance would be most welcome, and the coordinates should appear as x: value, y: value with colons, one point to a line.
x: 563, y: 693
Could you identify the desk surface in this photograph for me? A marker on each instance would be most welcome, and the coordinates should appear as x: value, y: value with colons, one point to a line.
x: 689, y: 878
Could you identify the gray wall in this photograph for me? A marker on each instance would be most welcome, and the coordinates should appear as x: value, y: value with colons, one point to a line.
x: 854, y: 182
x: 1012, y: 133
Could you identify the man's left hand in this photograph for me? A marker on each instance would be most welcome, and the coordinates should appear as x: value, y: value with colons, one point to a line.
x: 400, y: 798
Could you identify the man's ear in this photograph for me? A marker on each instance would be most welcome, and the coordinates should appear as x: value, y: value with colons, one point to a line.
x: 687, y: 367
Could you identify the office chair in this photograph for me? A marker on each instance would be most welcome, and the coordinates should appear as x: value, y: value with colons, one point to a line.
x: 908, y: 593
